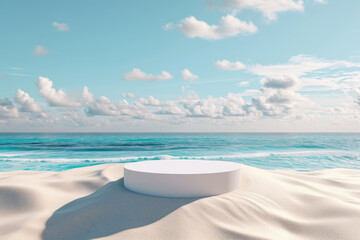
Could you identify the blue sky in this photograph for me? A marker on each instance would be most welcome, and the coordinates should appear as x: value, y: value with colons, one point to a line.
x: 231, y: 65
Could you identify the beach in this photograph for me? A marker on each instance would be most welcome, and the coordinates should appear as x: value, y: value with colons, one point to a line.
x: 180, y: 120
x: 92, y: 203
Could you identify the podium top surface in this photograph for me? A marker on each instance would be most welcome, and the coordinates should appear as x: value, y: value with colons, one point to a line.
x: 182, y: 166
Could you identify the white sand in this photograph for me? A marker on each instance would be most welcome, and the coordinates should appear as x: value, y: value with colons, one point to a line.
x: 91, y: 203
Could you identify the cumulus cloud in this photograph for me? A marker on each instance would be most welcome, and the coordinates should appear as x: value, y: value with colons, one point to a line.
x: 278, y: 102
x: 187, y: 75
x: 40, y: 51
x: 7, y: 109
x: 278, y: 97
x: 230, y: 106
x: 229, y: 66
x: 61, y: 26
x: 171, y: 108
x: 57, y: 98
x: 150, y: 101
x: 233, y: 105
x: 202, y: 108
x: 269, y: 9
x: 26, y: 102
x: 103, y: 106
x: 87, y: 96
x: 229, y: 26
x: 137, y: 74
x: 281, y: 82
x: 100, y: 106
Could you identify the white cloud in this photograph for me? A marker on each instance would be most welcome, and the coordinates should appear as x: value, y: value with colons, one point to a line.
x: 230, y: 106
x: 172, y: 108
x: 150, y: 101
x: 279, y: 98
x: 137, y: 74
x: 278, y: 102
x: 54, y: 98
x: 40, y: 51
x: 26, y: 102
x: 19, y: 74
x: 138, y: 111
x: 269, y: 9
x: 129, y: 95
x: 299, y: 65
x: 7, y: 109
x: 281, y: 82
x: 229, y: 26
x: 320, y: 1
x: 357, y: 94
x: 229, y: 66
x: 61, y: 26
x: 202, y: 108
x: 102, y: 106
x: 315, y: 74
x: 233, y: 105
x: 243, y: 83
x: 87, y: 96
x: 187, y: 75
x: 250, y: 92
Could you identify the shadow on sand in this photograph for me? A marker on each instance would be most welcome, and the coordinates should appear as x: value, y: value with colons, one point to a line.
x: 109, y: 210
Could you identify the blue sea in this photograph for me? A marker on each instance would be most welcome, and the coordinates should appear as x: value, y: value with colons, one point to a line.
x: 297, y: 151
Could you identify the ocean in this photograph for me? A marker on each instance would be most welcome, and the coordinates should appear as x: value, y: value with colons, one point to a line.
x: 296, y: 151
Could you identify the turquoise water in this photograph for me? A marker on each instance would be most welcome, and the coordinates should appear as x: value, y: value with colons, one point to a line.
x: 298, y: 151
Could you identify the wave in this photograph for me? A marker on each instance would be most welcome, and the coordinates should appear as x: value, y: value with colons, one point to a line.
x: 14, y: 157
x: 11, y: 154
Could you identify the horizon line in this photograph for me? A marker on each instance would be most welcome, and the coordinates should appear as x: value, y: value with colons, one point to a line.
x: 169, y: 132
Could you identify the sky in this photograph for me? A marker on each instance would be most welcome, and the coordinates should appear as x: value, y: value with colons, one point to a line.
x: 180, y: 66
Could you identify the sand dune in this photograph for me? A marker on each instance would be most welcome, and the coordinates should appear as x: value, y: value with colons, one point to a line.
x: 91, y: 203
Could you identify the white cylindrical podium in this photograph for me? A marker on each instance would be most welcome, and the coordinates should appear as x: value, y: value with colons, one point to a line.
x: 182, y: 178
